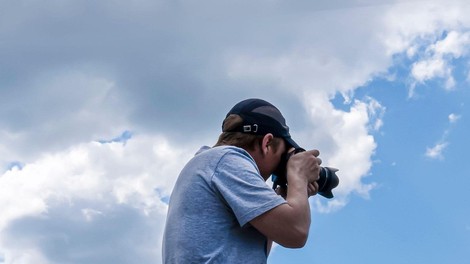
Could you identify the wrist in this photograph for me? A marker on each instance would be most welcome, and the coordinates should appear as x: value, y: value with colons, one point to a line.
x: 297, y: 184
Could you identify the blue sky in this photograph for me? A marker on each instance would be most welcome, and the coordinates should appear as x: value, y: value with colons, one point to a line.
x: 103, y: 102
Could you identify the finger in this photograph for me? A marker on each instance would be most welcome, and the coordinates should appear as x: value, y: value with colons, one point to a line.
x: 315, y: 186
x: 319, y: 161
x: 312, y: 189
x: 314, y: 152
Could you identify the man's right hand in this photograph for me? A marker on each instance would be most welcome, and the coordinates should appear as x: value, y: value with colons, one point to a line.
x: 304, y: 164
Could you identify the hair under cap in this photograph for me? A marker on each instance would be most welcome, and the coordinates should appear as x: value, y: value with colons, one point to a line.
x: 259, y: 118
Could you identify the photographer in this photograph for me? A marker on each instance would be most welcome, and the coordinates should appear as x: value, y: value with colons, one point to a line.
x: 221, y: 209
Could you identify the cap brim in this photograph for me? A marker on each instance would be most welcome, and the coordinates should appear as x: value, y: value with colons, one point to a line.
x: 326, y: 194
x: 292, y: 143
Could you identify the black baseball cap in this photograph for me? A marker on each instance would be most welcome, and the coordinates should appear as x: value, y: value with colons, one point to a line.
x: 260, y: 118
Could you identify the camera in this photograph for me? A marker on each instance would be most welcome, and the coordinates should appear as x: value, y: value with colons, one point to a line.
x: 326, y: 183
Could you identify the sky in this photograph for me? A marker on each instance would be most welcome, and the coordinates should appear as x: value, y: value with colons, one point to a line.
x: 103, y: 102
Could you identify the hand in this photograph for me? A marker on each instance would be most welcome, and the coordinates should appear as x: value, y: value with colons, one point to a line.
x: 306, y: 165
x: 312, y: 188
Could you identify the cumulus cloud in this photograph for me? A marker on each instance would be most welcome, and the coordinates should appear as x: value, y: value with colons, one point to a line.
x: 93, y: 203
x: 436, y: 63
x: 428, y: 69
x: 57, y: 109
x: 80, y: 71
x: 346, y: 142
x: 454, y: 45
x: 431, y: 35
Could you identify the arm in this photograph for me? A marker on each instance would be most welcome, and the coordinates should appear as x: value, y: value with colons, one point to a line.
x: 312, y: 190
x: 288, y: 224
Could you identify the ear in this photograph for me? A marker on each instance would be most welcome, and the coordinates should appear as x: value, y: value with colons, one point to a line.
x: 266, y: 143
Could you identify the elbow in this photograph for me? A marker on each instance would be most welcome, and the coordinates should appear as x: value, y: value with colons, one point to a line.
x: 300, y: 242
x: 295, y: 245
x: 297, y: 240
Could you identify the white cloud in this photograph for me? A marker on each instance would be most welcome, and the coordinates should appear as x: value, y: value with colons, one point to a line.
x: 454, y: 44
x: 435, y: 152
x: 453, y: 118
x: 412, y: 24
x: 437, y: 60
x: 316, y: 60
x: 76, y: 194
x: 419, y: 29
x: 345, y: 142
x: 167, y: 69
x: 428, y: 69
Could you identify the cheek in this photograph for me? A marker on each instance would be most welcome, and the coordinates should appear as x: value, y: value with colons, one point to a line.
x: 275, y: 162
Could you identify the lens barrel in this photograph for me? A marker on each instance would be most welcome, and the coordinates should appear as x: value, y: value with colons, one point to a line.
x: 327, y: 182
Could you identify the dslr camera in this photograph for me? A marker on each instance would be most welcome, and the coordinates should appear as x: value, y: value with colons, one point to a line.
x: 326, y: 183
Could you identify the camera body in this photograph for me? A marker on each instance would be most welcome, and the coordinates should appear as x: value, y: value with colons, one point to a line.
x: 326, y: 183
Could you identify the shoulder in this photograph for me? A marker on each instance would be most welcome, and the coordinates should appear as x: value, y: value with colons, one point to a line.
x: 224, y: 153
x: 222, y: 158
x: 234, y: 156
x: 237, y: 164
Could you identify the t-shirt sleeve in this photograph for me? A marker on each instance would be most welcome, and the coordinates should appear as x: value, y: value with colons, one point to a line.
x: 239, y: 183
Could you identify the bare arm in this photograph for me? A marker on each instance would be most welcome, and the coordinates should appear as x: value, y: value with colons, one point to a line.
x: 288, y: 224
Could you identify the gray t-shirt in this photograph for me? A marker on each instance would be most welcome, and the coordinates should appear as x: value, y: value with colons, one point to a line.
x: 216, y: 195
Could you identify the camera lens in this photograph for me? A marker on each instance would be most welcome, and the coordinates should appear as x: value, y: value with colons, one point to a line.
x: 328, y: 181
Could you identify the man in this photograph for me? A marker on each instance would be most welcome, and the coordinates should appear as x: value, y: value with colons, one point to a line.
x: 221, y: 209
